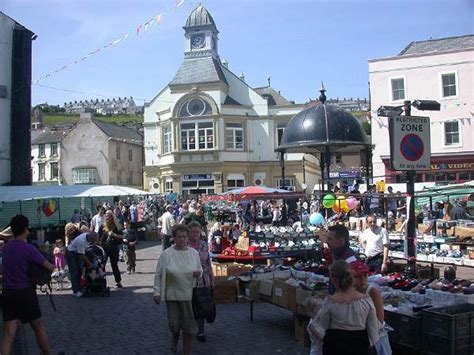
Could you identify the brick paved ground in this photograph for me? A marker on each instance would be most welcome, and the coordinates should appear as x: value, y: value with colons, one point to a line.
x: 128, y: 322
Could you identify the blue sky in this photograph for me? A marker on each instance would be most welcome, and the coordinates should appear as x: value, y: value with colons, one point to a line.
x: 296, y: 42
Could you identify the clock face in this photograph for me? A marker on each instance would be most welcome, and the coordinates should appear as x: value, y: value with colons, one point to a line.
x: 198, y: 41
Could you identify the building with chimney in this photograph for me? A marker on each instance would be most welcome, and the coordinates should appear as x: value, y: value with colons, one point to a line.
x: 436, y: 69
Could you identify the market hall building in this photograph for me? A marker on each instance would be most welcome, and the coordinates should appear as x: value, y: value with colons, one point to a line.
x: 437, y: 69
x: 208, y: 131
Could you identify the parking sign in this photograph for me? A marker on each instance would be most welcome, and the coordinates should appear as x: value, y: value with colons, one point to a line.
x: 410, y: 147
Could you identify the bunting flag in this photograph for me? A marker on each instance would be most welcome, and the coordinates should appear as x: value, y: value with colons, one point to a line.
x: 155, y: 20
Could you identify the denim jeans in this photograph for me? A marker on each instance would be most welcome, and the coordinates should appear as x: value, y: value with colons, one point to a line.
x: 74, y: 264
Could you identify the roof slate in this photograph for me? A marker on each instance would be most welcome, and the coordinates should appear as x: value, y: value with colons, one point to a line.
x: 119, y: 132
x: 46, y: 136
x: 274, y: 97
x: 199, y: 70
x: 439, y: 45
x: 230, y: 101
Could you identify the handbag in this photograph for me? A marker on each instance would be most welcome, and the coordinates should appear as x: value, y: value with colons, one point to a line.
x: 203, y: 304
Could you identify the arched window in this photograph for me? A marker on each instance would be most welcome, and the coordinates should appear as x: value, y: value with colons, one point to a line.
x: 195, y: 107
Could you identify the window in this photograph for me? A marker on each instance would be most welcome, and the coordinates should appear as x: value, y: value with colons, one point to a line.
x: 42, y: 151
x: 84, y: 176
x: 130, y: 177
x: 235, y: 184
x: 119, y: 180
x: 234, y: 136
x: 54, y: 149
x: 289, y: 183
x: 203, y: 130
x: 117, y: 151
x: 54, y: 171
x: 130, y: 154
x: 466, y: 176
x: 398, y: 89
x: 167, y: 143
x: 168, y: 186
x: 41, y: 172
x: 195, y: 107
x: 338, y: 158
x: 449, y: 84
x: 280, y: 129
x: 451, y: 133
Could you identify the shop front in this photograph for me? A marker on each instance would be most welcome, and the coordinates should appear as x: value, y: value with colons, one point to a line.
x: 196, y: 184
x: 446, y: 169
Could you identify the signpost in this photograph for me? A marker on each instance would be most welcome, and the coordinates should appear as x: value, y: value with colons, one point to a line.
x: 410, y: 143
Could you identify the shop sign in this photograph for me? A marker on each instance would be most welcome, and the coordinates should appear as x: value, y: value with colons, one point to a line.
x: 452, y: 166
x: 410, y: 147
x: 198, y: 177
x: 345, y: 174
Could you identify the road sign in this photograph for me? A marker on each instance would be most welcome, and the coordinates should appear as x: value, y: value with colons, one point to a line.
x: 410, y: 143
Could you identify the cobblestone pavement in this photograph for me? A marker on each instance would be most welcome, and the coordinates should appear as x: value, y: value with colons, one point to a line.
x: 128, y: 322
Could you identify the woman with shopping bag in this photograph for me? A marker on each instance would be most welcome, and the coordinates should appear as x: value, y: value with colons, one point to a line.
x: 207, y: 279
x: 177, y: 270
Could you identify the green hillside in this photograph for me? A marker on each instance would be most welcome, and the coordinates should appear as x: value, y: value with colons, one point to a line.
x: 54, y: 119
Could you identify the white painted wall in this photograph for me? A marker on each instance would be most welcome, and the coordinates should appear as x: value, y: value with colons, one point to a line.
x: 422, y: 76
x: 6, y: 46
x: 47, y: 159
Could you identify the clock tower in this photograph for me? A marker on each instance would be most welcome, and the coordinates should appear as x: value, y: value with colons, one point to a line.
x: 201, y: 34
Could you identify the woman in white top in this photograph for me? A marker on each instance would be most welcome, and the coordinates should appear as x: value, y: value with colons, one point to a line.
x: 360, y: 271
x: 346, y: 321
x: 176, y: 271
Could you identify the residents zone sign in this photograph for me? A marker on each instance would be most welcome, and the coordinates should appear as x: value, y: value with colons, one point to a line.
x: 410, y: 147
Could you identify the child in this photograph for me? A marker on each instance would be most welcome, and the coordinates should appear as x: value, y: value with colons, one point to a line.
x: 59, y: 259
x: 96, y: 270
x: 314, y: 304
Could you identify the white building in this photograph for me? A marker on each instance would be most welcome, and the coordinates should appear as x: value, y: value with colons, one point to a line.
x: 15, y: 117
x: 46, y: 156
x: 208, y: 131
x: 441, y: 70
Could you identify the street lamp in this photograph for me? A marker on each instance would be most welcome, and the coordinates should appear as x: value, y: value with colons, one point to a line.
x: 282, y: 166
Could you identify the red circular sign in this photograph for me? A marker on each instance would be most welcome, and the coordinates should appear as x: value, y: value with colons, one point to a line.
x: 412, y: 147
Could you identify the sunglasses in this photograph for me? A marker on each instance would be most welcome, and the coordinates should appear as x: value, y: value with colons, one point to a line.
x: 371, y: 222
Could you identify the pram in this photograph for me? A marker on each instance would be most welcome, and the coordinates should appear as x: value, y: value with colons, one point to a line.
x: 95, y: 281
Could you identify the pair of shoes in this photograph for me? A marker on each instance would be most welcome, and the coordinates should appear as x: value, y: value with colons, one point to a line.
x: 133, y: 270
x: 129, y: 272
x: 121, y: 260
x: 118, y: 285
x: 78, y: 294
x: 201, y: 338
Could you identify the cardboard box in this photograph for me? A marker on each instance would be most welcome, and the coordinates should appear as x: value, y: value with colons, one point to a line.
x: 303, y: 310
x: 265, y: 288
x: 302, y: 296
x: 301, y: 333
x: 284, y: 295
x: 251, y: 289
x: 225, y: 291
x: 229, y: 269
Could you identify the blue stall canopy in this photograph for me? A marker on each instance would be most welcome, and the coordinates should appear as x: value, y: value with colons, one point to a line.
x: 26, y: 193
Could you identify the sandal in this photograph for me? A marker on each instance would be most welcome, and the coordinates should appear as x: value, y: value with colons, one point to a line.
x: 201, y: 338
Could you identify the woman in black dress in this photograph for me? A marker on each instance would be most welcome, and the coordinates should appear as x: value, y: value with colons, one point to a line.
x: 112, y: 238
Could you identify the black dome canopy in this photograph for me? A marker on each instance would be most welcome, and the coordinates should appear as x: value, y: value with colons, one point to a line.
x: 307, y: 131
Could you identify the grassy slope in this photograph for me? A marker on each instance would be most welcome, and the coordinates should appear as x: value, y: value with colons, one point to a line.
x: 54, y: 119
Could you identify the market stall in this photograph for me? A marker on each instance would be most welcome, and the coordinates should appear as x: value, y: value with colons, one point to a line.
x: 50, y: 207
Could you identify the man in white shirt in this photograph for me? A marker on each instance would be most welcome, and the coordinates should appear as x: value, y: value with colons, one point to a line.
x: 75, y: 257
x: 167, y: 222
x: 99, y: 219
x: 375, y: 243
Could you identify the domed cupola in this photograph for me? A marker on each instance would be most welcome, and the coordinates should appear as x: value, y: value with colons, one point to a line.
x: 201, y: 34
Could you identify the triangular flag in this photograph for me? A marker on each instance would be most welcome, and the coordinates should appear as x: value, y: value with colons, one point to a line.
x: 138, y: 29
x: 181, y: 2
x: 158, y: 19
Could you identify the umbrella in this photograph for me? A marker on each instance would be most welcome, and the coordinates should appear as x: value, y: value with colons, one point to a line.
x: 252, y: 193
